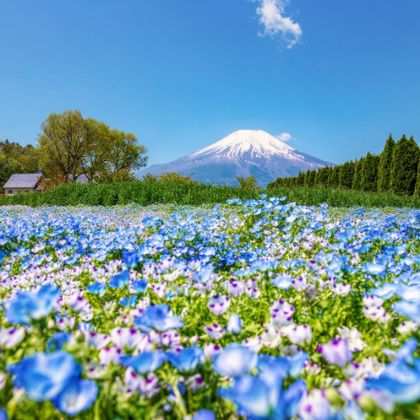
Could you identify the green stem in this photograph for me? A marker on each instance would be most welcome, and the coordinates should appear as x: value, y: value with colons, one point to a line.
x: 12, y: 404
x: 179, y: 400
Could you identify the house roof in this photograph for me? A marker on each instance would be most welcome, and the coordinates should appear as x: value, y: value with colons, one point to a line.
x: 23, y: 181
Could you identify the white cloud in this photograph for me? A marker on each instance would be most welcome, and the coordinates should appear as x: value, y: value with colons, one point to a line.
x: 284, y: 137
x: 272, y: 16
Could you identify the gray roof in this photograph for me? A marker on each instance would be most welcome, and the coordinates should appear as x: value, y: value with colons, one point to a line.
x: 23, y: 181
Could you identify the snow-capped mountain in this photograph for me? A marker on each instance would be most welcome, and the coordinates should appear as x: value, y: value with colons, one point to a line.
x: 242, y: 153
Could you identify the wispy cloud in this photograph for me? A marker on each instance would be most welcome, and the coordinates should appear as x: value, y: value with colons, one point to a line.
x: 284, y: 137
x: 272, y: 16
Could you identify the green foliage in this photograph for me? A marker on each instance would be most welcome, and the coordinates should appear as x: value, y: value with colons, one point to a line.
x: 346, y: 173
x: 248, y: 183
x: 321, y: 177
x: 357, y: 177
x: 70, y: 146
x: 158, y: 191
x: 310, y: 179
x: 15, y: 158
x: 369, y: 173
x: 417, y: 190
x: 334, y: 177
x: 384, y: 169
x: 405, y: 160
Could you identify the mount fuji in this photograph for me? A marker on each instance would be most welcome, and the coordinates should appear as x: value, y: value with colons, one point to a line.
x: 242, y: 153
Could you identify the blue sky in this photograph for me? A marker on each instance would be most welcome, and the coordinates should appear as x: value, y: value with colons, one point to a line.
x: 180, y: 74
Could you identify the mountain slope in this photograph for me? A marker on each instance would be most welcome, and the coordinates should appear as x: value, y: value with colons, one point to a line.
x: 242, y: 153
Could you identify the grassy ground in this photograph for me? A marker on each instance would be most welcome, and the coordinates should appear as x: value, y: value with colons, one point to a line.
x: 158, y: 192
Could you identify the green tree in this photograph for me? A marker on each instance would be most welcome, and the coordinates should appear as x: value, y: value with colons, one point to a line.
x: 334, y: 177
x: 417, y: 189
x: 63, y: 145
x: 310, y: 178
x: 249, y: 183
x: 369, y: 173
x: 70, y: 146
x: 322, y: 175
x: 300, y: 179
x: 357, y: 177
x: 346, y: 174
x: 404, y: 169
x: 384, y: 170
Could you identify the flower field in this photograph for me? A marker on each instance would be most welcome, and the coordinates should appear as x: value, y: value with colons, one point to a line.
x: 255, y: 308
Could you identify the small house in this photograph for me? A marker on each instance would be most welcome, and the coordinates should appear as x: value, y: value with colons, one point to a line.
x: 18, y: 183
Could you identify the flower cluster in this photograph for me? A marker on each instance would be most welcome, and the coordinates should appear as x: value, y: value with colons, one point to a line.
x: 259, y: 309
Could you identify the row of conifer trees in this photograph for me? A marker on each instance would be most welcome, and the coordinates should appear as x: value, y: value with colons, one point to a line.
x: 396, y: 169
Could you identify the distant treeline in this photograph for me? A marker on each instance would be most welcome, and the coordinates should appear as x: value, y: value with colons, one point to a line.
x: 395, y: 170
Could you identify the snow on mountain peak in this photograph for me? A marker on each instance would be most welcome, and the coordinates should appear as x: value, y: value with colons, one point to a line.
x: 255, y: 143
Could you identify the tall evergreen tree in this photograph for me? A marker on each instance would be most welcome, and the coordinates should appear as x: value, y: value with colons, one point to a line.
x: 369, y: 173
x: 321, y: 176
x: 384, y: 170
x: 310, y: 178
x: 346, y: 174
x: 334, y: 177
x: 417, y: 190
x: 405, y: 161
x: 357, y: 177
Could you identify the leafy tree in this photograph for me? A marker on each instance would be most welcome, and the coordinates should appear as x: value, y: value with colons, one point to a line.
x: 71, y: 146
x: 384, y: 170
x: 15, y: 158
x: 249, y: 183
x: 369, y: 173
x: 404, y: 169
x: 122, y: 155
x: 63, y: 145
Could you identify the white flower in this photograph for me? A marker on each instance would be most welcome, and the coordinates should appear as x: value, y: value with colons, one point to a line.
x: 298, y: 334
x: 353, y: 337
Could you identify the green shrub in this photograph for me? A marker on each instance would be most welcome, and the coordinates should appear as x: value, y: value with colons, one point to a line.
x: 193, y: 193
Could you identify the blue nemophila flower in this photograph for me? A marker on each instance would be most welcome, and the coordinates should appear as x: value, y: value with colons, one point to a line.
x: 399, y: 381
x: 58, y: 340
x: 33, y: 305
x: 139, y: 286
x: 408, y: 309
x: 282, y: 282
x: 145, y: 362
x: 158, y: 317
x: 130, y: 258
x: 96, y: 288
x: 375, y: 269
x: 44, y: 376
x: 119, y: 280
x: 187, y: 359
x: 262, y: 396
x: 204, y: 275
x: 3, y: 414
x: 235, y: 360
x: 129, y: 301
x: 79, y: 395
x: 2, y: 255
x: 204, y: 415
